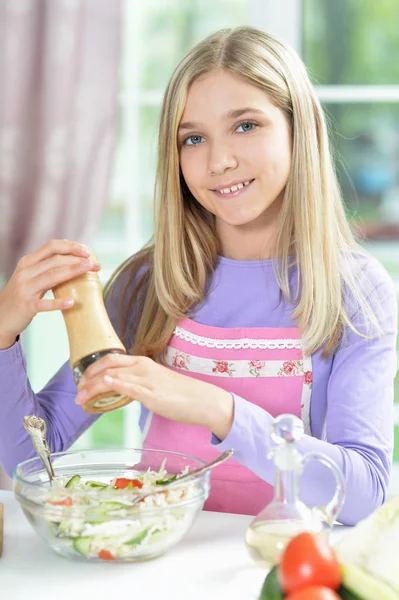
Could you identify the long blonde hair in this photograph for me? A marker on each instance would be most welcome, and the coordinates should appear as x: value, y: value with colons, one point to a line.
x: 312, y: 221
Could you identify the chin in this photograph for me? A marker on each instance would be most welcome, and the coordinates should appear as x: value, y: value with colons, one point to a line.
x: 238, y: 220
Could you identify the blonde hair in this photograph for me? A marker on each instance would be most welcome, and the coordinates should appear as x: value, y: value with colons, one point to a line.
x: 312, y: 221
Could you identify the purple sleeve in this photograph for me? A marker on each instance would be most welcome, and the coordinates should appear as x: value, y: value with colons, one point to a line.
x: 65, y: 420
x: 358, y: 427
x: 55, y: 404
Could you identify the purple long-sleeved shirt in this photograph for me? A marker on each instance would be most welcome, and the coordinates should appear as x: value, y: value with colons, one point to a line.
x: 351, y: 411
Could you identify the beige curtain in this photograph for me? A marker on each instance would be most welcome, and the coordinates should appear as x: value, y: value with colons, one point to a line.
x: 59, y: 62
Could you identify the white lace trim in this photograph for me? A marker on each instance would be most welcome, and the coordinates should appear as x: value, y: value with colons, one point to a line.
x: 238, y: 344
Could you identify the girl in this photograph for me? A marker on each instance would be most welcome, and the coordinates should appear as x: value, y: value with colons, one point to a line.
x: 254, y: 299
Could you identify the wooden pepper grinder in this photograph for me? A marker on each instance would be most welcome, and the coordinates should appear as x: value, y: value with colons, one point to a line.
x: 90, y: 333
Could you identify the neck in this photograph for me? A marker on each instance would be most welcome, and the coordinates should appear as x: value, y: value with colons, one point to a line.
x: 245, y: 245
x: 252, y: 241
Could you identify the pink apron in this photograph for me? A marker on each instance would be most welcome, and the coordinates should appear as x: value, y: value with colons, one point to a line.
x: 264, y: 366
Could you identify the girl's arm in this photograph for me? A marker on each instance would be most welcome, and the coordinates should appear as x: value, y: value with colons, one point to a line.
x: 54, y: 403
x: 359, y: 422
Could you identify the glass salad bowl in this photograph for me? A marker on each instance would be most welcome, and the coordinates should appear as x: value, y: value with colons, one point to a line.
x: 91, y: 510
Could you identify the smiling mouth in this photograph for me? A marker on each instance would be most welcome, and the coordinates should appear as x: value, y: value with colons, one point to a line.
x: 234, y: 190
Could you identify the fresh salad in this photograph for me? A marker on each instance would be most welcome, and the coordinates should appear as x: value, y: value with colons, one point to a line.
x: 100, y: 519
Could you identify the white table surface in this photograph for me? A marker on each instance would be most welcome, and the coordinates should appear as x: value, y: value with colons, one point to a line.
x: 211, y: 562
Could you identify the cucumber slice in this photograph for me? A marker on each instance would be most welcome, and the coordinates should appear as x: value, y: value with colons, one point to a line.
x: 365, y: 586
x: 138, y: 538
x: 105, y: 506
x: 166, y: 480
x: 95, y: 484
x: 271, y: 589
x: 97, y: 513
x: 83, y: 544
x: 346, y: 594
x: 71, y: 483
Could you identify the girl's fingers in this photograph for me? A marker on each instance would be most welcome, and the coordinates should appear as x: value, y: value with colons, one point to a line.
x: 51, y: 305
x: 126, y: 386
x: 110, y: 361
x: 53, y: 277
x: 90, y: 388
x: 54, y: 263
x: 133, y: 390
x: 51, y: 248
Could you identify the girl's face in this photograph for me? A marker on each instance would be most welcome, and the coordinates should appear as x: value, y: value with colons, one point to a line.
x: 235, y: 150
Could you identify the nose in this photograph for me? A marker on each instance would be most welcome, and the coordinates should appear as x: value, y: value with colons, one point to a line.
x: 221, y: 159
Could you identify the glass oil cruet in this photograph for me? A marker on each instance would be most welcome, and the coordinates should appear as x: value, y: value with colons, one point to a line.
x: 286, y: 516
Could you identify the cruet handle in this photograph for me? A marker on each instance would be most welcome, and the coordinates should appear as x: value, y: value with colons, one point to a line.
x: 329, y: 512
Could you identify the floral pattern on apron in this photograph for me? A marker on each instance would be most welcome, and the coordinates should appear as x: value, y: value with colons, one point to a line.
x: 265, y: 366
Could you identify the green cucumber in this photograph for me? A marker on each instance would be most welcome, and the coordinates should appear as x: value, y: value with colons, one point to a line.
x: 106, y: 506
x: 138, y: 538
x: 166, y: 480
x: 271, y: 589
x: 365, y: 586
x: 82, y: 544
x: 95, y: 484
x: 346, y: 594
x: 71, y: 483
x: 101, y: 511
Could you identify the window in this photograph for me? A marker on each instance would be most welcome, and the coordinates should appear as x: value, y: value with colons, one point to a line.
x: 351, y: 50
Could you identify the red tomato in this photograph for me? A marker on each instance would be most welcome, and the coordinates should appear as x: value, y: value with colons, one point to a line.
x: 314, y: 592
x: 66, y: 502
x: 122, y: 483
x: 105, y: 555
x: 309, y: 560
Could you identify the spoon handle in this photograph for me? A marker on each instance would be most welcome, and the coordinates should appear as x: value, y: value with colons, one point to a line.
x: 47, y: 453
x: 214, y: 463
x: 187, y: 476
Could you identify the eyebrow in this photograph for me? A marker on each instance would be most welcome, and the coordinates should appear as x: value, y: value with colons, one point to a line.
x: 232, y: 114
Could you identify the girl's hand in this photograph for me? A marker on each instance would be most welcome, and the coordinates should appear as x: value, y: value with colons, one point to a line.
x: 162, y: 391
x: 37, y: 273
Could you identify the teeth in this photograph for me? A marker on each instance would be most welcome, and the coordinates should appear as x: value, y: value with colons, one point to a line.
x: 235, y: 188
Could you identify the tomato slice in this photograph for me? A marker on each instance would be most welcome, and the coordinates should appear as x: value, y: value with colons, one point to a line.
x: 122, y: 483
x: 65, y: 502
x: 309, y: 560
x: 105, y: 555
x: 314, y: 592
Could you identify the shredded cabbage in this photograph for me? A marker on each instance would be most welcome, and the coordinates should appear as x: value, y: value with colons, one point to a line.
x: 100, y: 517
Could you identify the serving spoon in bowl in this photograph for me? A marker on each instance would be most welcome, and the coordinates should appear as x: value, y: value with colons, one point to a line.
x: 176, y: 480
x: 37, y: 428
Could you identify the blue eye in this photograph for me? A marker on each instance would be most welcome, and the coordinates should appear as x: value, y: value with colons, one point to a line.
x: 247, y: 126
x: 193, y: 140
